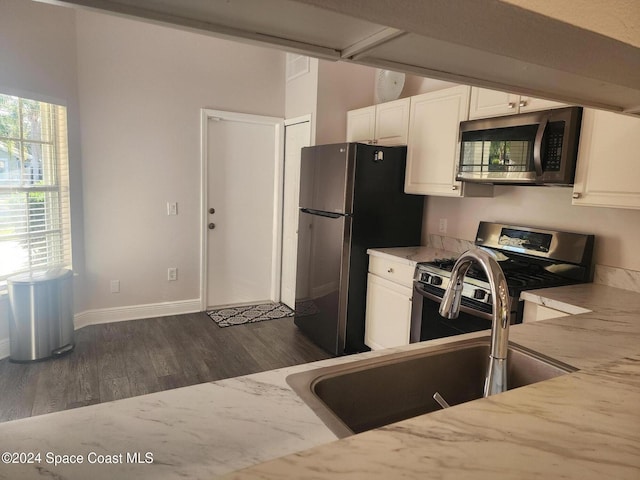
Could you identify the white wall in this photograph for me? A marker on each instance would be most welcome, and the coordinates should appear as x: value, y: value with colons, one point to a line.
x: 341, y: 87
x: 327, y: 92
x: 141, y: 87
x: 301, y: 96
x: 617, y: 230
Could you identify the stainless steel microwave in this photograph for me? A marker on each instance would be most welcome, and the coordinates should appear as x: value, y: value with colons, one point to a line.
x: 538, y: 148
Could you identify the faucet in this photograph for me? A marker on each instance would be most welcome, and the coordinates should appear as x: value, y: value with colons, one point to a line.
x: 496, y: 378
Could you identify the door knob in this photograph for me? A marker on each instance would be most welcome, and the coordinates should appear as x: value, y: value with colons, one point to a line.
x: 212, y: 226
x: 212, y: 211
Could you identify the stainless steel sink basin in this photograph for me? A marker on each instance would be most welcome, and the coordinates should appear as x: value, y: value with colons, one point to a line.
x: 362, y: 395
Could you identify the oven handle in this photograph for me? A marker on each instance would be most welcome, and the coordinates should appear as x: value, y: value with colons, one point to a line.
x: 463, y: 308
x: 537, y: 147
x: 424, y: 293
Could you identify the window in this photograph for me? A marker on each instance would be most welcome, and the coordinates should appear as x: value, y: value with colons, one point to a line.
x: 34, y: 187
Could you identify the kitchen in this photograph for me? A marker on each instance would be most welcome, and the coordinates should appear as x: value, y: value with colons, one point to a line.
x: 613, y: 248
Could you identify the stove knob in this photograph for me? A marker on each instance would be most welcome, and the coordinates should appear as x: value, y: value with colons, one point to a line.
x: 424, y: 277
x: 436, y: 280
x: 479, y: 294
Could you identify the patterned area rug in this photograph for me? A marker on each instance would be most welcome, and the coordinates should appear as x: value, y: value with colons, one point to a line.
x: 230, y: 316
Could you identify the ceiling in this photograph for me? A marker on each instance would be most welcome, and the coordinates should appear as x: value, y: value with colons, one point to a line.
x: 524, y: 46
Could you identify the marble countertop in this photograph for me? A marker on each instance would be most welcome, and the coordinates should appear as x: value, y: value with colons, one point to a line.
x: 582, y: 425
x: 411, y: 255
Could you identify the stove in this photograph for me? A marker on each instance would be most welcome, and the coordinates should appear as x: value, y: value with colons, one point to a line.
x: 530, y: 258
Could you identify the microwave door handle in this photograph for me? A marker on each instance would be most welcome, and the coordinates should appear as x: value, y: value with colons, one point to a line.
x: 537, y: 147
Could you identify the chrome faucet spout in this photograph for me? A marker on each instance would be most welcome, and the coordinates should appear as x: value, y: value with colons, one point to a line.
x: 496, y: 378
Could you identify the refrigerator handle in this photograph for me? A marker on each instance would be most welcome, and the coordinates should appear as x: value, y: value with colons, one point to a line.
x: 320, y: 213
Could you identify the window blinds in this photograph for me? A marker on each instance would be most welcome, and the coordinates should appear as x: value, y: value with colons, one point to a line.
x: 35, y: 219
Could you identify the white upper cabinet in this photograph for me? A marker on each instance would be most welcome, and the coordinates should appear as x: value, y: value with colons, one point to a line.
x: 433, y: 148
x: 608, y: 174
x: 532, y: 104
x: 383, y: 124
x: 487, y: 103
x: 491, y: 103
x: 361, y: 125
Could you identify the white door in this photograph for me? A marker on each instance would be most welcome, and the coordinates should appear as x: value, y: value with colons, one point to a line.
x: 242, y: 208
x: 297, y: 135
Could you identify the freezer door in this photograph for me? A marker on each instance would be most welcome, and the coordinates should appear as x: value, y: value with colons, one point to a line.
x: 326, y: 177
x: 322, y: 278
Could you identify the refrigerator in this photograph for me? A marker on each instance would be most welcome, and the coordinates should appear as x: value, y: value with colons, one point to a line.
x: 351, y: 199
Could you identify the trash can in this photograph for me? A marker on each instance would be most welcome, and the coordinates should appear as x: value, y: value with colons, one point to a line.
x: 40, y: 314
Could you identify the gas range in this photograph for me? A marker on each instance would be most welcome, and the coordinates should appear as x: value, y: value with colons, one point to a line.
x: 530, y: 258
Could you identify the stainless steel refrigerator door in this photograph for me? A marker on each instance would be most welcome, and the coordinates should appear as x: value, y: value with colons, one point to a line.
x: 326, y: 177
x: 322, y: 278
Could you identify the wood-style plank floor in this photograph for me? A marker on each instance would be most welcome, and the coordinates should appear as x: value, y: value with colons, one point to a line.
x: 125, y: 359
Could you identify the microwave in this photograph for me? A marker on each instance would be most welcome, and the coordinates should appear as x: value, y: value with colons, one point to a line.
x: 538, y: 148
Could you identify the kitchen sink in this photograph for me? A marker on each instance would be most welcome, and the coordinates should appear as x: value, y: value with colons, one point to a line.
x: 366, y: 394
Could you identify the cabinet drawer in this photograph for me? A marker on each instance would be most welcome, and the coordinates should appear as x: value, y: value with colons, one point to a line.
x: 397, y: 272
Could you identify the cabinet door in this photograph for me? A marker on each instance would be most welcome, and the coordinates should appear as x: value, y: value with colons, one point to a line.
x: 486, y: 103
x: 361, y: 125
x: 392, y: 122
x: 433, y: 147
x: 607, y: 174
x: 388, y: 314
x: 532, y: 104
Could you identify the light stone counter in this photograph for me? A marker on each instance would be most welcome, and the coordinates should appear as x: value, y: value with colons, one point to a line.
x: 583, y: 425
x: 411, y: 255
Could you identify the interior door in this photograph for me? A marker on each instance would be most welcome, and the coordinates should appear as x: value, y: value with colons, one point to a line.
x: 297, y: 135
x: 241, y: 201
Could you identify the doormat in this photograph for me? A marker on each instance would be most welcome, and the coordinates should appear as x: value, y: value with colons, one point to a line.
x: 230, y: 316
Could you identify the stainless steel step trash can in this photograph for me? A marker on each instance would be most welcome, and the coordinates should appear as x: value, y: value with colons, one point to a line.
x: 40, y: 314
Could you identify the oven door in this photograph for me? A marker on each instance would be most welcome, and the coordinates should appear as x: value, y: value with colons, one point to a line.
x: 427, y: 324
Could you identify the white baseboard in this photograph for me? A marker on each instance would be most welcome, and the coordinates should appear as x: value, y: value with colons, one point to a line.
x: 135, y: 312
x: 121, y: 314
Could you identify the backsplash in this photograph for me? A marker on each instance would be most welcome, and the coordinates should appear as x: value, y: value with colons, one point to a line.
x: 604, y: 275
x: 450, y: 244
x: 617, y: 277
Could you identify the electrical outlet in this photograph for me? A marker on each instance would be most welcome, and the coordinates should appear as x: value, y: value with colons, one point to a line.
x: 172, y: 274
x: 115, y: 286
x: 172, y: 208
x: 442, y: 225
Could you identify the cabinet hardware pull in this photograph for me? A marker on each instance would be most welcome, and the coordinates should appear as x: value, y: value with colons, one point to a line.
x: 523, y: 103
x: 211, y: 226
x: 454, y: 187
x: 512, y: 105
x: 212, y: 211
x: 390, y: 270
x: 576, y: 195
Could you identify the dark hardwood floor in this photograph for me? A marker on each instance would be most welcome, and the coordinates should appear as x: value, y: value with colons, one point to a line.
x: 125, y: 359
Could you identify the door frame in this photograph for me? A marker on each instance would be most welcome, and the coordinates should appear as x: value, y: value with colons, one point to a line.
x: 206, y: 115
x: 286, y: 253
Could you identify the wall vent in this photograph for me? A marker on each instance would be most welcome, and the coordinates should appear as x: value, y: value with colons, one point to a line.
x: 297, y: 65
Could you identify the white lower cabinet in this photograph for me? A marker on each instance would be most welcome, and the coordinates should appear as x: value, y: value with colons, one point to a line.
x: 388, y: 309
x: 607, y: 174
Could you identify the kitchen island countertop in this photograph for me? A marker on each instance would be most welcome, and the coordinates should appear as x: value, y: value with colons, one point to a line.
x: 581, y: 425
